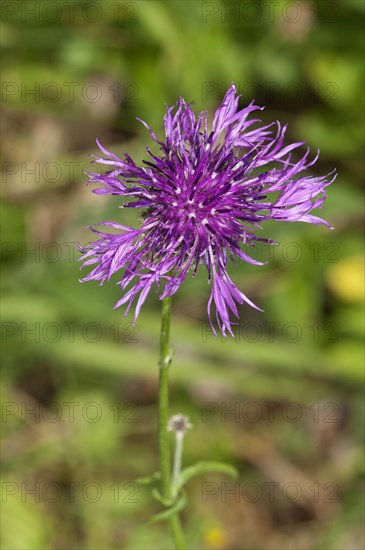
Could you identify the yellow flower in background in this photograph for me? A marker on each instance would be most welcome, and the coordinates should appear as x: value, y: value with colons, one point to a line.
x: 346, y: 279
x: 215, y: 538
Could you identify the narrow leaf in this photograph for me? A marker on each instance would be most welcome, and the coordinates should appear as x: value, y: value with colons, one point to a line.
x: 156, y: 476
x: 206, y: 466
x: 165, y: 501
x: 179, y: 505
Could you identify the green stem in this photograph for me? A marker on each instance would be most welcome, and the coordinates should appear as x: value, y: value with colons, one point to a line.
x: 163, y: 416
x: 179, y: 440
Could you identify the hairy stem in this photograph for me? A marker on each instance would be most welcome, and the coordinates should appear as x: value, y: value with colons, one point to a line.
x: 163, y: 416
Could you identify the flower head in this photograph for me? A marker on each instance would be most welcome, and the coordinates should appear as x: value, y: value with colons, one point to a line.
x: 179, y: 423
x: 202, y: 197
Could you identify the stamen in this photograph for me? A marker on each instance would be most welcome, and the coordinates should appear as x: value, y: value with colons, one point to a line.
x: 238, y: 165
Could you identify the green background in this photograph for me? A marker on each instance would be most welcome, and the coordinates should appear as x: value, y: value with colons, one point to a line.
x: 74, y: 71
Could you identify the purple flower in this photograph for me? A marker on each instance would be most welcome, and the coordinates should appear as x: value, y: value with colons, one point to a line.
x: 203, y: 198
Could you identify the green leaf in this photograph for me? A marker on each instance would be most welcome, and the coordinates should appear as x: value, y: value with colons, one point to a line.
x: 206, y: 466
x: 149, y: 480
x: 165, y: 501
x: 177, y: 507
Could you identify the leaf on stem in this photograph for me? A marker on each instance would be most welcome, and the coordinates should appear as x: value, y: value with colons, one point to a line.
x: 206, y: 466
x: 179, y: 504
x: 156, y: 476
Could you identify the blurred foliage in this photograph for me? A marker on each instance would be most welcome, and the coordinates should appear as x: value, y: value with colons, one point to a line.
x: 76, y: 71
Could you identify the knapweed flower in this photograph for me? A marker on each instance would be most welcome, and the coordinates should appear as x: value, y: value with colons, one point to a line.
x: 202, y: 197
